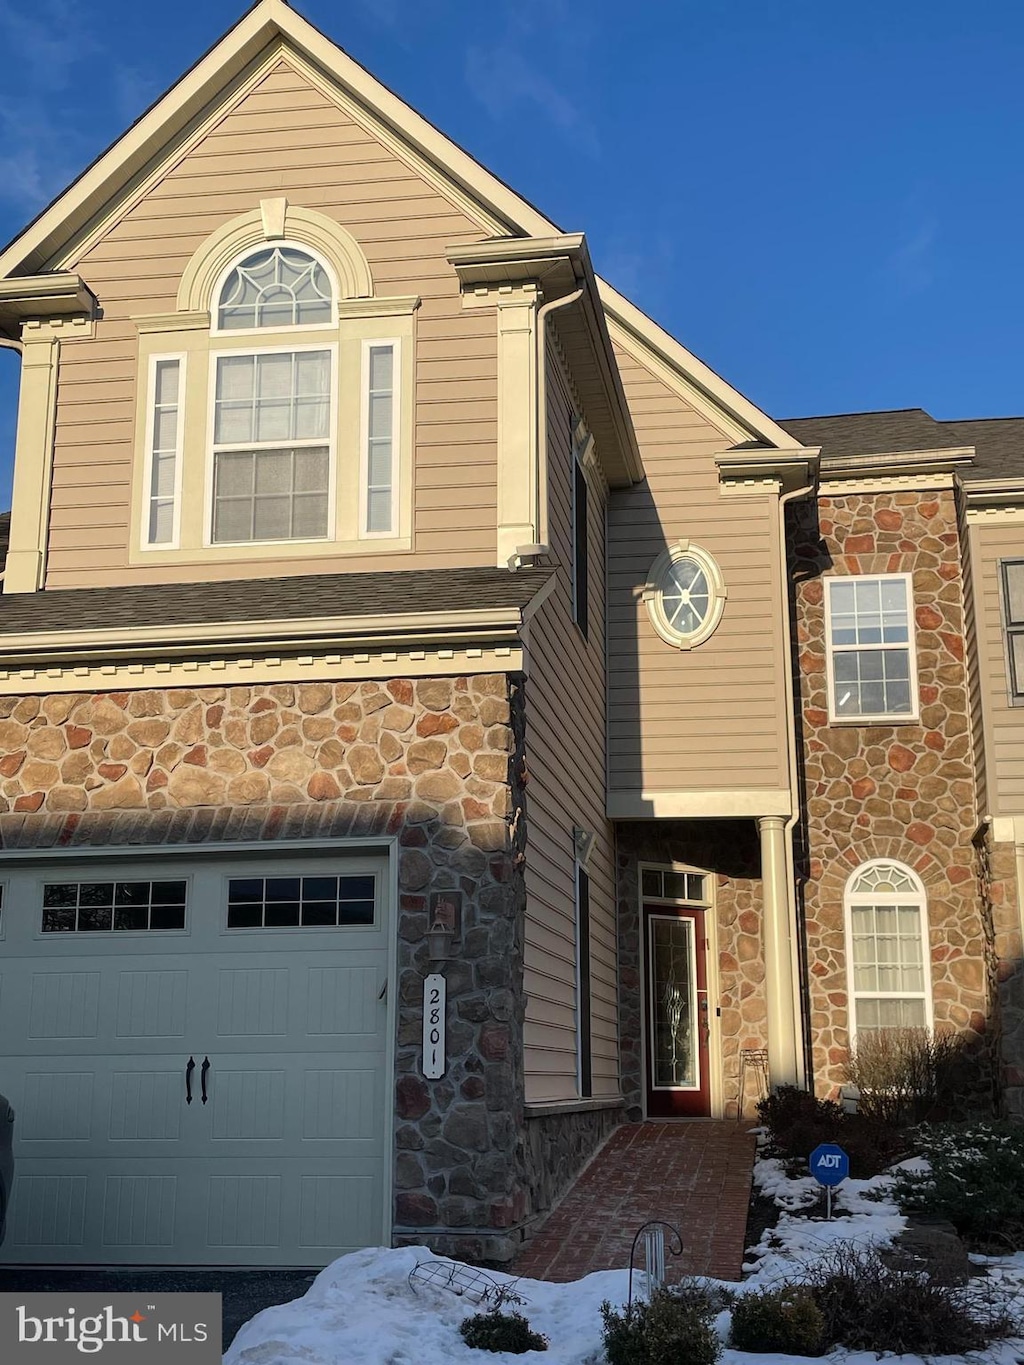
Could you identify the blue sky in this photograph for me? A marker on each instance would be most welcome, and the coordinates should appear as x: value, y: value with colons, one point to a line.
x: 822, y: 200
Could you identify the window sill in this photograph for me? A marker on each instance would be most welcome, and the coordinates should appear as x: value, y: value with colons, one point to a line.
x: 875, y: 720
x: 555, y: 1107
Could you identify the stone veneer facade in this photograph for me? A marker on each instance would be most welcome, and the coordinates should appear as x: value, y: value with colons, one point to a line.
x: 436, y: 762
x: 905, y: 792
x: 728, y: 850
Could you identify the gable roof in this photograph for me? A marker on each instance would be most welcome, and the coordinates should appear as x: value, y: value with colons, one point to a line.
x: 45, y: 243
x: 998, y: 441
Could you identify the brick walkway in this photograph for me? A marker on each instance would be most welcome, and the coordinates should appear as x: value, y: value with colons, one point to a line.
x: 695, y: 1175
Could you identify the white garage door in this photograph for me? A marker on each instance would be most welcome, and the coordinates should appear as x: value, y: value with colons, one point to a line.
x: 256, y: 988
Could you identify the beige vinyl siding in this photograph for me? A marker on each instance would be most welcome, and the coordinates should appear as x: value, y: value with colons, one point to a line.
x: 1002, y: 753
x: 714, y: 717
x: 284, y: 138
x: 565, y: 699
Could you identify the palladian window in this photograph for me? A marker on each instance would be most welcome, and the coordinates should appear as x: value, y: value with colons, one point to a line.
x: 275, y: 416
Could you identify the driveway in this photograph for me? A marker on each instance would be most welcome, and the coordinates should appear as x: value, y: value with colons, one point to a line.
x: 245, y: 1292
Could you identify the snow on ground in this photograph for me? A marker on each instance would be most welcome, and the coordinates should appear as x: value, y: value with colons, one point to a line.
x: 362, y: 1309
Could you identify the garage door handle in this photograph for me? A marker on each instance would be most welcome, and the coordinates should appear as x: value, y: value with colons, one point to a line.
x: 383, y: 990
x: 188, y: 1079
x: 202, y: 1074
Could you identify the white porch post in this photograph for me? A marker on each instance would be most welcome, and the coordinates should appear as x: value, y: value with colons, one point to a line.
x: 783, y: 1058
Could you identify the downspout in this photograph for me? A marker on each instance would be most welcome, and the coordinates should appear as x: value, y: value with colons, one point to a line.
x: 541, y: 457
x: 794, y: 780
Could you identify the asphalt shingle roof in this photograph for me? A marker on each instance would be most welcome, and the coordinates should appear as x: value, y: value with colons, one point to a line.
x: 294, y: 599
x: 998, y: 441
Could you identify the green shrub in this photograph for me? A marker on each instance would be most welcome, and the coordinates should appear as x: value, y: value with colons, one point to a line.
x: 785, y: 1320
x: 797, y: 1122
x: 498, y: 1330
x: 676, y: 1326
x: 868, y: 1304
x: 907, y: 1075
x: 976, y: 1181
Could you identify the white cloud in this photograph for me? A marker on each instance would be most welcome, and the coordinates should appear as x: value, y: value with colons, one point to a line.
x: 503, y: 80
x: 44, y: 45
x: 912, y: 264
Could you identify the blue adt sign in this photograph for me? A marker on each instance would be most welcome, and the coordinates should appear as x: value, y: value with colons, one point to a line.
x: 829, y: 1164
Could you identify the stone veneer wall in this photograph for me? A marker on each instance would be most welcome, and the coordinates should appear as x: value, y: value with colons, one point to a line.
x: 435, y: 761
x: 729, y: 850
x: 891, y: 791
x: 559, y: 1145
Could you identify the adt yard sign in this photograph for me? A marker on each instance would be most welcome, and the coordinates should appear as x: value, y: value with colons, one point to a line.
x: 829, y: 1164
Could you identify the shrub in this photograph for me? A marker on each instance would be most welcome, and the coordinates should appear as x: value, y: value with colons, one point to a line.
x: 675, y: 1326
x: 868, y: 1304
x: 975, y: 1180
x: 906, y: 1075
x: 797, y: 1122
x: 498, y: 1330
x: 785, y: 1320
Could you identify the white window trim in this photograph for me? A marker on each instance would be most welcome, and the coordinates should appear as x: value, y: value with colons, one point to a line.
x: 332, y: 444
x: 653, y: 592
x: 286, y: 245
x: 911, y: 717
x: 146, y: 545
x: 904, y: 898
x: 364, y: 437
x: 1008, y: 631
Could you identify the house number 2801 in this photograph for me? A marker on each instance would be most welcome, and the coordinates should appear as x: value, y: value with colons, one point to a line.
x: 434, y: 1001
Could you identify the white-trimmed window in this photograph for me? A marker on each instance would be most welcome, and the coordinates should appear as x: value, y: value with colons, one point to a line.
x: 1011, y: 572
x: 272, y: 445
x: 290, y: 428
x: 380, y: 438
x: 685, y: 595
x: 164, y: 431
x: 872, y: 671
x: 887, y: 949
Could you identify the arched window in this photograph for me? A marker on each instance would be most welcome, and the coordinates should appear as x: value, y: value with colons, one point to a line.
x: 887, y: 949
x: 277, y: 286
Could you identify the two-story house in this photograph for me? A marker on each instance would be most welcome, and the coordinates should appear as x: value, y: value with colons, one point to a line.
x: 437, y: 719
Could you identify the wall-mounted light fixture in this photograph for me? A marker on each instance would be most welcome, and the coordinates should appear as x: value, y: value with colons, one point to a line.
x: 445, y: 923
x: 583, y: 844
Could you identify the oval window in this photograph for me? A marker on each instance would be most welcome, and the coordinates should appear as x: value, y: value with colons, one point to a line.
x: 685, y: 595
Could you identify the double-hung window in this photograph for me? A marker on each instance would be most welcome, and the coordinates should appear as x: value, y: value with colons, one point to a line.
x: 272, y: 437
x: 870, y: 637
x: 1012, y: 576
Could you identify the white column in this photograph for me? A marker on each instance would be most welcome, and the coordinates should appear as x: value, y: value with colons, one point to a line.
x: 780, y: 983
x: 33, y: 459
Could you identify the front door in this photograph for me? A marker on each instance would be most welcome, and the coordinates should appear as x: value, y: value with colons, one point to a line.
x: 676, y: 1012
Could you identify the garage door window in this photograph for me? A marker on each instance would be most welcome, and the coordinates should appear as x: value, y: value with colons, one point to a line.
x: 300, y: 902
x: 89, y: 907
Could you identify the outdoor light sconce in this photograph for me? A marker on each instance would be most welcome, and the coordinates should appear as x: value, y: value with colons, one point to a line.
x: 445, y: 921
x: 583, y: 845
x: 439, y: 942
